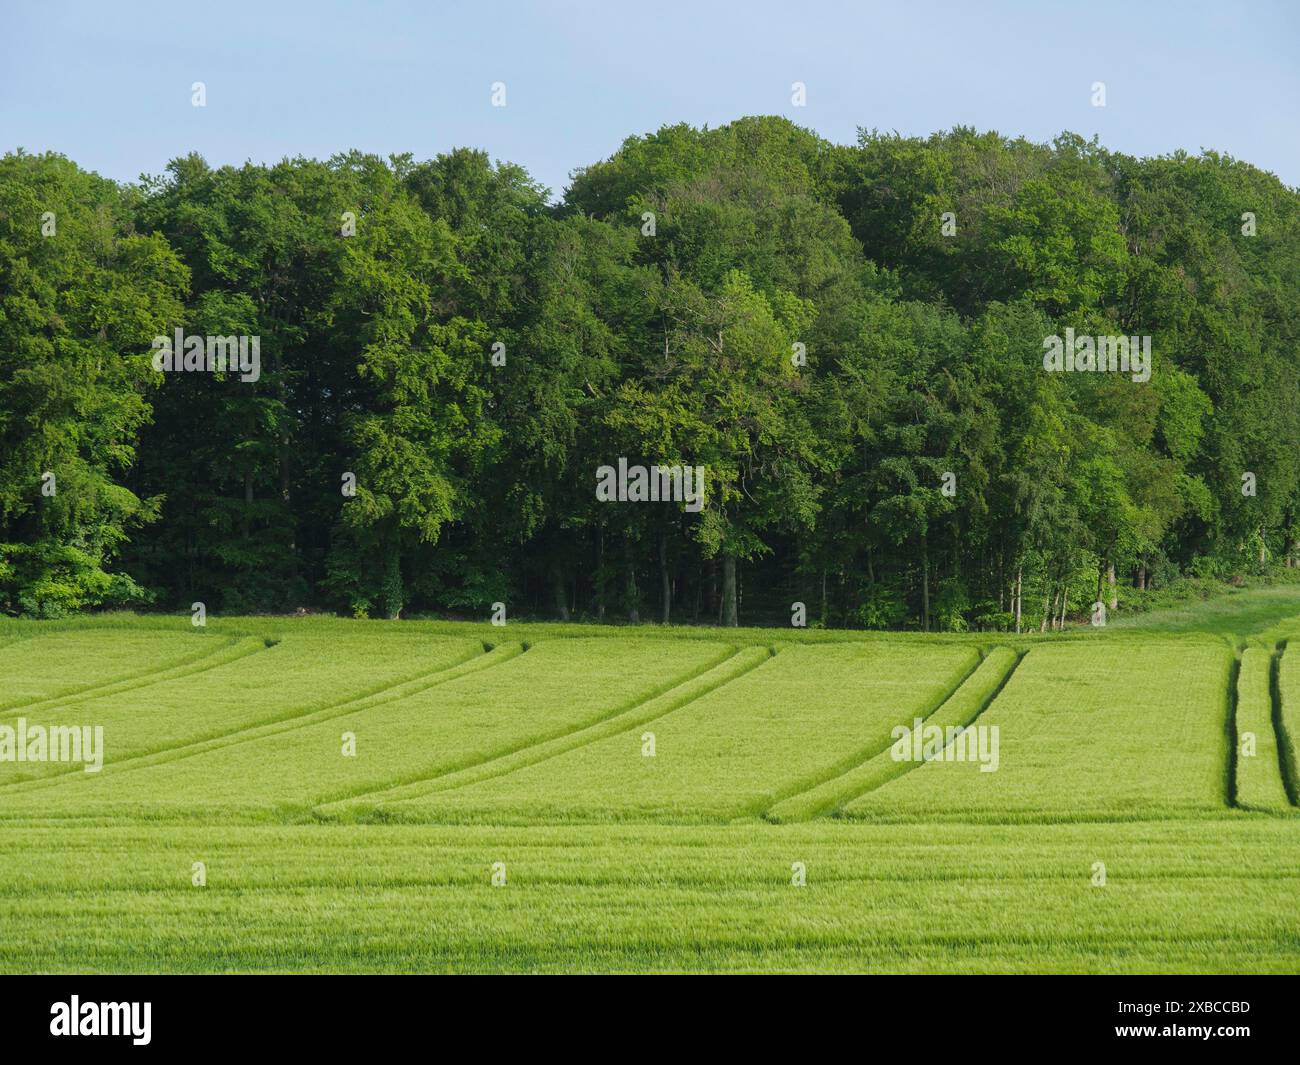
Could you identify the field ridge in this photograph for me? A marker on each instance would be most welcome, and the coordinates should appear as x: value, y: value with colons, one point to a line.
x: 182, y: 667
x: 473, y: 662
x: 734, y: 663
x: 1258, y: 783
x: 1230, y: 769
x: 978, y: 689
x: 1282, y: 725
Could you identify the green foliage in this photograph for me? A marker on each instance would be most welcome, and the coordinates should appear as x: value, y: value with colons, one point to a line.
x: 81, y: 295
x: 847, y: 338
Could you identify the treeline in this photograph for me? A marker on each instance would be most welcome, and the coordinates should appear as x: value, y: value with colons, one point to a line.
x: 848, y: 339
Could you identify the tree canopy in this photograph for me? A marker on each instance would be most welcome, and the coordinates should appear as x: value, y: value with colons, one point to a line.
x: 847, y: 339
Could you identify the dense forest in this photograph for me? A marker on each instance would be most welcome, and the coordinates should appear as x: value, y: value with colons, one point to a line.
x: 848, y: 340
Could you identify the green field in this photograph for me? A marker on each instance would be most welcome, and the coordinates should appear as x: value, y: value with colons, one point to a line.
x: 325, y: 795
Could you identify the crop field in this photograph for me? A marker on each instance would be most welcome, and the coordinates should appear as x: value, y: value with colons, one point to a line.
x: 1088, y: 731
x: 313, y: 794
x: 799, y: 716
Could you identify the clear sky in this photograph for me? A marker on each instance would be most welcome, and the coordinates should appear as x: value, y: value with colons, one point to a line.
x: 108, y: 84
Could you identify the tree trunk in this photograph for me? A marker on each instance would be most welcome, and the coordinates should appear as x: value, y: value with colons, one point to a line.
x: 600, y: 573
x: 825, y: 621
x: 560, y: 591
x: 285, y: 496
x: 730, y: 617
x: 1016, y: 598
x: 665, y: 580
x: 633, y: 595
x: 1113, y: 603
x: 391, y: 597
x: 925, y: 585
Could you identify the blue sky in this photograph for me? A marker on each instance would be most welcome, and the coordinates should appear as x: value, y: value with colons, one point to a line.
x: 109, y: 84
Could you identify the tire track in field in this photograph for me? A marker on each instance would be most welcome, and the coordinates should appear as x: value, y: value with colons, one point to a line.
x: 95, y: 687
x: 1260, y: 781
x: 64, y: 629
x: 1286, y: 743
x: 734, y: 663
x: 1230, y: 730
x: 473, y: 662
x: 877, y: 769
x: 19, y: 637
x: 211, y: 660
x: 183, y: 667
